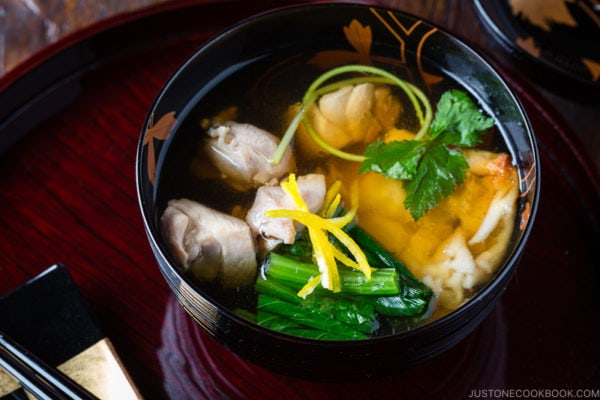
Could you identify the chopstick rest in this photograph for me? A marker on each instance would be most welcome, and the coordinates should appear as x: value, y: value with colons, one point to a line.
x: 48, y: 316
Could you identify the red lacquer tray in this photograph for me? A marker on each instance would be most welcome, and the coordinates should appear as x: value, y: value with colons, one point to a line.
x: 69, y: 124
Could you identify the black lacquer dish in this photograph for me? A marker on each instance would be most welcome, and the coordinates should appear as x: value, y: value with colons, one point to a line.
x: 557, y: 43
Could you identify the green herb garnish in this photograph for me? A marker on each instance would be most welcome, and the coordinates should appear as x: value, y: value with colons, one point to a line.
x: 431, y: 168
x: 432, y: 165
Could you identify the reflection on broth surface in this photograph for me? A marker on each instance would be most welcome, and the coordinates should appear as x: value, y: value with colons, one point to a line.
x: 383, y: 243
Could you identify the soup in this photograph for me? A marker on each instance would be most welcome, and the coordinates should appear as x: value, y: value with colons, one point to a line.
x: 333, y: 233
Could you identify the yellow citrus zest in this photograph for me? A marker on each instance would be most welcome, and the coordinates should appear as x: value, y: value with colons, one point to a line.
x: 325, y: 252
x: 310, y: 286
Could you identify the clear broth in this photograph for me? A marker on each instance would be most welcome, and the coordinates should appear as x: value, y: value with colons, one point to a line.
x: 262, y: 91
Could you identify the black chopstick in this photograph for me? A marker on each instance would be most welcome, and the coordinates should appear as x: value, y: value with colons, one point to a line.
x: 35, y: 376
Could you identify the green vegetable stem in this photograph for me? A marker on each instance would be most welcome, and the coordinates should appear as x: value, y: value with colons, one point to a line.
x: 296, y: 273
x: 353, y: 313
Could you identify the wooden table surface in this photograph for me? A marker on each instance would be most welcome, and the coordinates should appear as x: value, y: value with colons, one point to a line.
x: 67, y: 194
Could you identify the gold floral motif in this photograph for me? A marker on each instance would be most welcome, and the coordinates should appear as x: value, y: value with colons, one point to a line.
x: 361, y: 38
x: 427, y: 77
x: 529, y: 182
x: 402, y: 33
x: 593, y: 67
x: 543, y: 13
x: 158, y: 131
x: 407, y: 32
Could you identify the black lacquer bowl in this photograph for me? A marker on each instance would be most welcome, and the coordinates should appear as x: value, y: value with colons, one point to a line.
x: 324, y: 36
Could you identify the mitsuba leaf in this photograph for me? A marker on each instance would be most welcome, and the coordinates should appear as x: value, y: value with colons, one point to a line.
x: 396, y: 160
x: 440, y: 170
x: 458, y: 121
x: 431, y: 168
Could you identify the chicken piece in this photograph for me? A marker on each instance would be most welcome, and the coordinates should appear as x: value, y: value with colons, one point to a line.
x: 210, y: 244
x: 350, y: 115
x: 242, y: 153
x: 273, y: 231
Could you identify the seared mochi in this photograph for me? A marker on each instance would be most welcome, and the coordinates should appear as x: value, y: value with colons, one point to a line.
x: 273, y: 231
x: 242, y: 153
x: 210, y: 244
